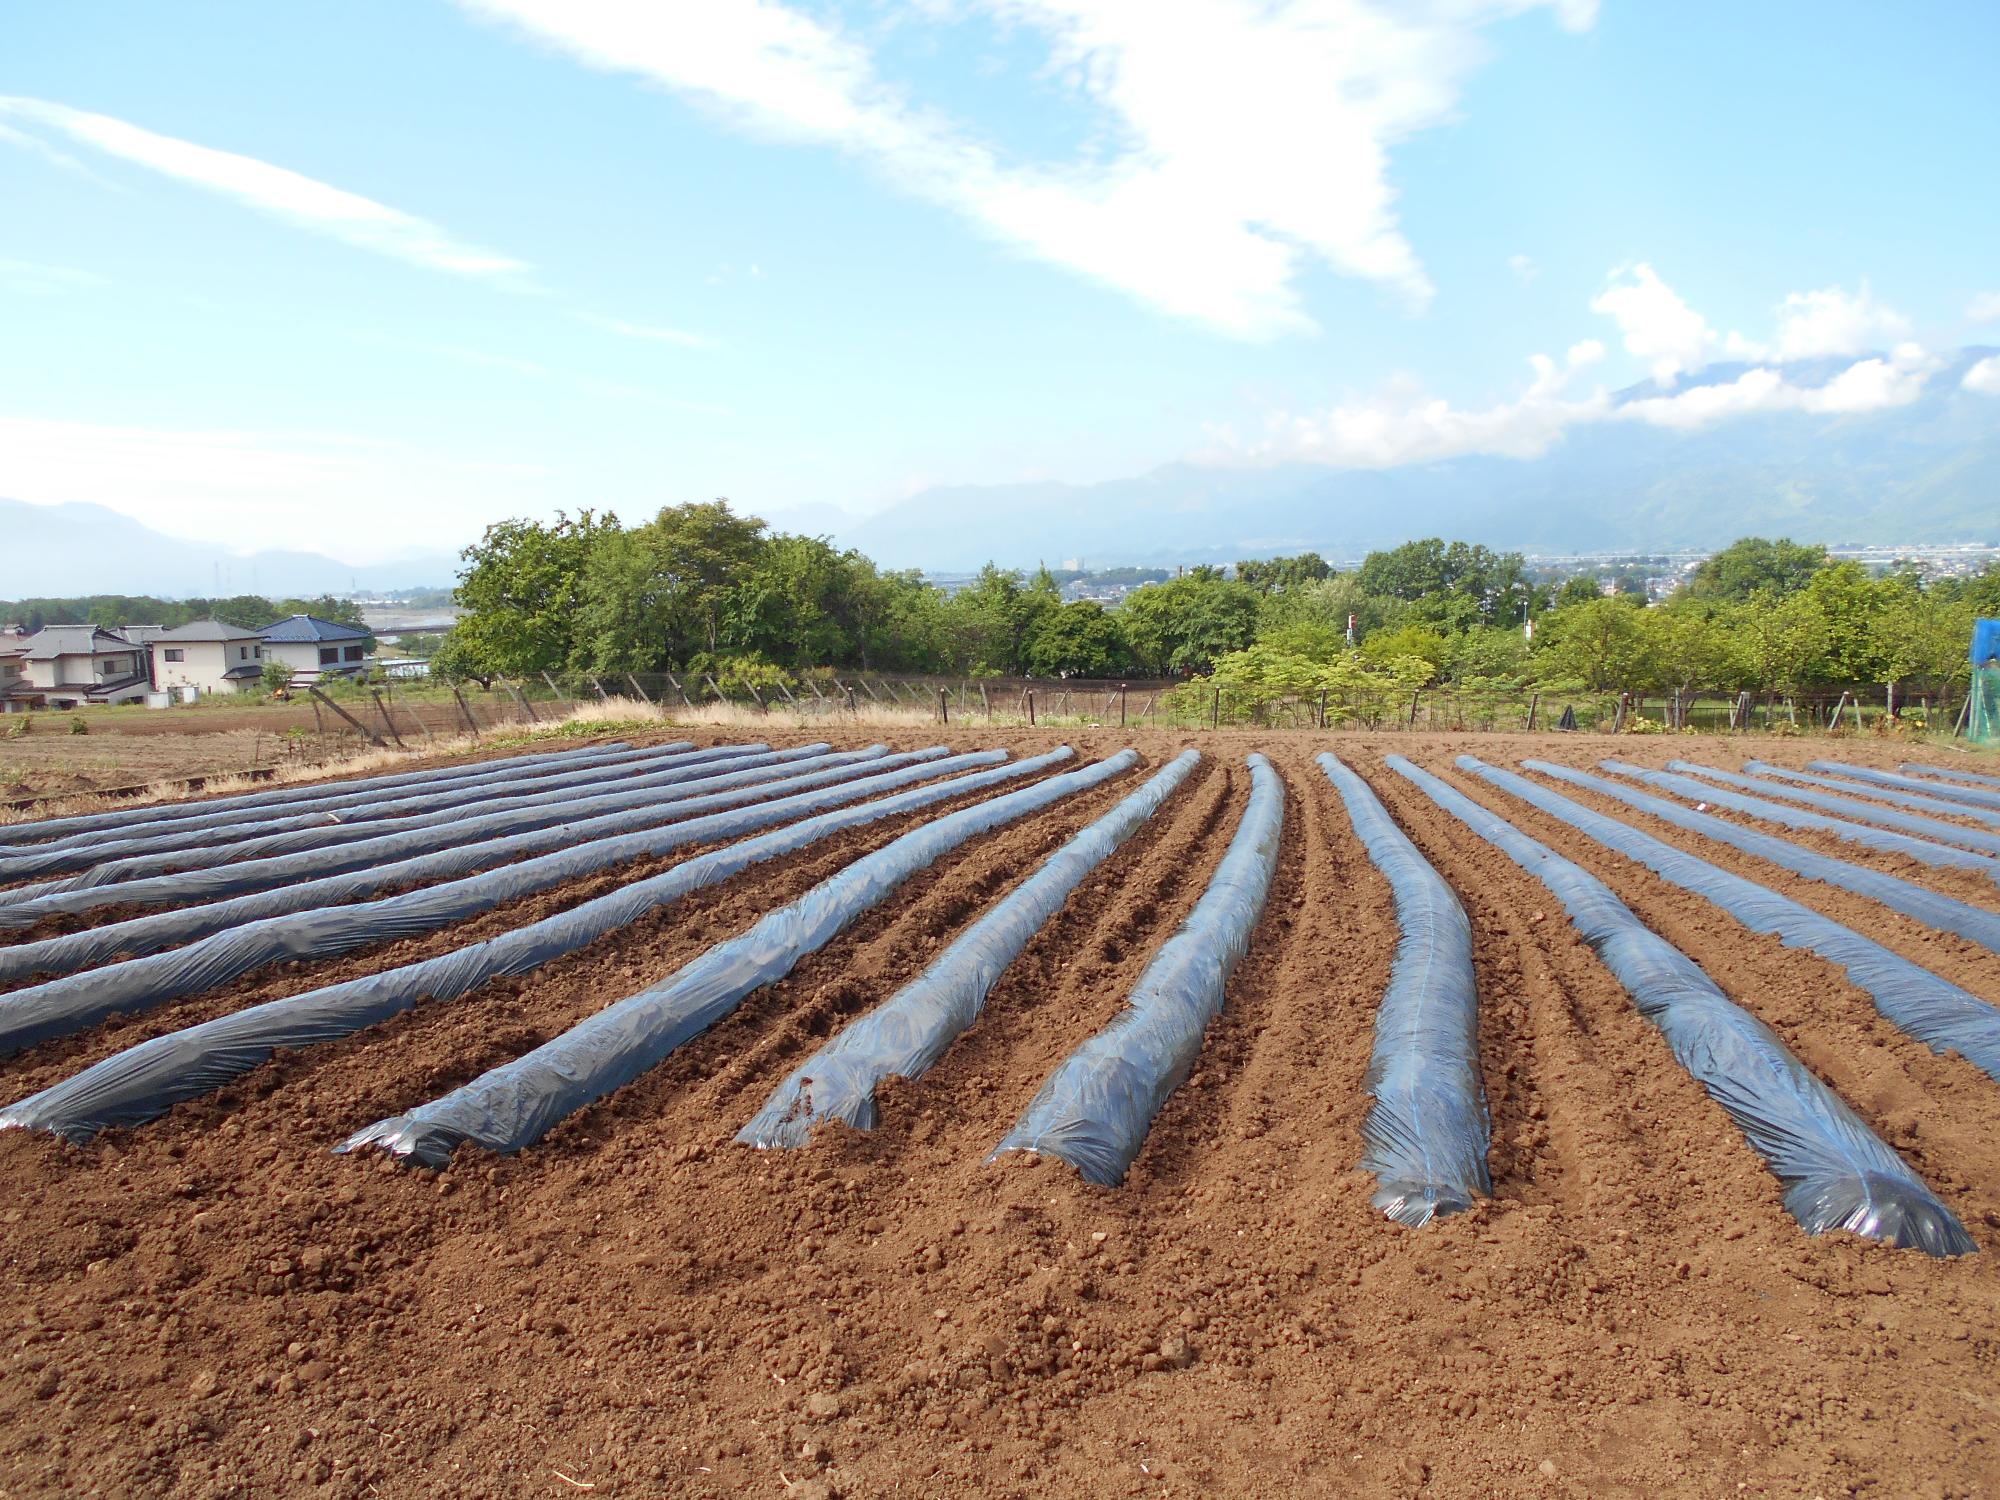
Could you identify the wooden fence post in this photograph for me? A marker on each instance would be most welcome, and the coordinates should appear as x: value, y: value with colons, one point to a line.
x: 561, y: 696
x: 1121, y: 705
x: 1415, y: 699
x: 365, y: 732
x: 636, y: 688
x: 1534, y: 704
x: 944, y: 705
x: 387, y: 722
x: 471, y: 724
x: 1028, y: 697
x: 521, y: 700
x: 1618, y: 720
x: 1215, y: 711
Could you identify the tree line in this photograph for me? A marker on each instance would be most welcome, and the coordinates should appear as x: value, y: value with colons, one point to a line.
x: 245, y: 611
x: 700, y: 588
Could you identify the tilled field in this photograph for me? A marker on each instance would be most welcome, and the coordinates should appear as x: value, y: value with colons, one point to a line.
x: 214, y: 1303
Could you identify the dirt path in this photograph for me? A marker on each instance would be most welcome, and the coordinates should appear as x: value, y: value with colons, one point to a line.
x: 215, y: 1305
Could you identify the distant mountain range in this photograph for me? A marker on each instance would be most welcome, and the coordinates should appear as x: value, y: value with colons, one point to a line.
x: 55, y: 551
x: 1928, y: 471
x: 1925, y: 472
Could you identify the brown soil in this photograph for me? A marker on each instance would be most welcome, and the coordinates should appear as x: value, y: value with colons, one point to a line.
x: 215, y: 1305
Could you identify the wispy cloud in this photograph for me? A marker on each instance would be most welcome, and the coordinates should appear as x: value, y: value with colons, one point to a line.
x: 1984, y: 308
x: 679, y: 337
x: 39, y: 280
x: 273, y: 190
x: 1246, y: 142
x: 1984, y: 377
x: 462, y: 355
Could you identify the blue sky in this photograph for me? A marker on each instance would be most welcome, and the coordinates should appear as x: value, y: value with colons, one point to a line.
x: 365, y: 276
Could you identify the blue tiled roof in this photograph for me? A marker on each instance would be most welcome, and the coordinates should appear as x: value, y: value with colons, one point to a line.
x: 311, y: 628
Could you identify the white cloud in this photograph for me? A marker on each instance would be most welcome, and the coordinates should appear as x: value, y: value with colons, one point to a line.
x: 273, y: 190
x: 1661, y: 328
x: 1402, y: 424
x: 1523, y: 267
x: 1812, y: 324
x: 1865, y: 386
x: 1984, y: 377
x: 676, y: 336
x: 1240, y: 143
x: 1985, y: 308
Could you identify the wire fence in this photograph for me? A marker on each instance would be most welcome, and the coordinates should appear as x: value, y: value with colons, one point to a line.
x: 405, y: 710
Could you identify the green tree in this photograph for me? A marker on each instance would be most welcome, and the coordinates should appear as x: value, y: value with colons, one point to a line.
x: 1184, y: 625
x: 1754, y: 565
x: 1077, y: 640
x: 521, y: 593
x: 1277, y: 575
x: 1597, y: 643
x: 657, y: 595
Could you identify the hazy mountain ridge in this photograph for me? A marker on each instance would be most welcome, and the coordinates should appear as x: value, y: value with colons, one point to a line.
x: 53, y: 551
x: 1926, y: 472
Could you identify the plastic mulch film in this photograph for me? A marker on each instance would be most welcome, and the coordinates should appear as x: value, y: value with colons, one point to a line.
x: 1427, y: 1133
x: 1913, y: 999
x: 1094, y: 1111
x: 1933, y: 796
x: 1849, y: 807
x: 188, y: 887
x: 516, y: 1104
x: 73, y: 952
x: 1836, y: 1172
x: 146, y: 1080
x: 61, y: 1006
x: 1933, y: 908
x: 1948, y: 773
x: 335, y: 847
x: 49, y: 828
x: 1924, y: 851
x: 908, y: 1033
x: 1940, y: 805
x: 374, y: 815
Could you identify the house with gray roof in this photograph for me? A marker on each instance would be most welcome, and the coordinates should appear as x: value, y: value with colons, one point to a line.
x: 207, y: 656
x: 314, y: 648
x: 69, y: 666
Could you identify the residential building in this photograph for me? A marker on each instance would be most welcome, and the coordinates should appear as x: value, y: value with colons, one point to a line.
x: 13, y: 644
x: 209, y: 657
x: 69, y: 666
x: 314, y: 648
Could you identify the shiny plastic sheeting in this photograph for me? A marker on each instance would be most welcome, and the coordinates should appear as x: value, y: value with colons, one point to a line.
x: 1949, y: 793
x: 1940, y: 856
x: 1912, y: 900
x: 516, y: 1104
x: 1913, y: 999
x: 1949, y: 773
x: 1866, y: 812
x: 1837, y: 1173
x: 906, y: 1035
x: 49, y: 828
x: 1939, y: 806
x: 64, y: 1005
x: 372, y: 812
x: 333, y: 848
x: 73, y: 952
x: 145, y: 1081
x: 1427, y: 1133
x: 190, y: 887
x: 1095, y: 1109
